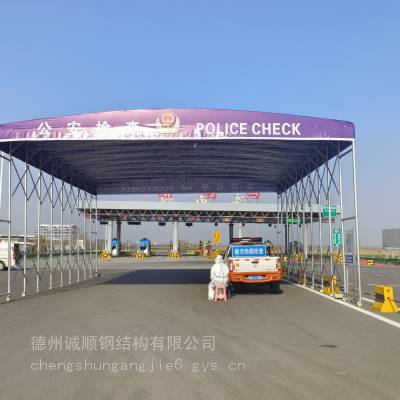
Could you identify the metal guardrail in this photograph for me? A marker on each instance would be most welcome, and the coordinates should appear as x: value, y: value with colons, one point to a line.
x: 58, y: 254
x: 383, y: 260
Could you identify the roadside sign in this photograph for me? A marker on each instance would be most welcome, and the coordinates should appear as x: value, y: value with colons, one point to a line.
x: 217, y: 236
x: 349, y: 246
x: 337, y: 237
x: 325, y: 211
x: 349, y: 259
x: 248, y: 251
x: 295, y: 220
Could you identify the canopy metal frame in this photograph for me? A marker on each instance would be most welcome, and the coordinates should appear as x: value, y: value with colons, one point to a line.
x: 68, y: 161
x: 320, y: 261
x: 45, y: 264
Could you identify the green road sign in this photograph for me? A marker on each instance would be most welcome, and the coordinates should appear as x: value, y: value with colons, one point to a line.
x: 337, y: 237
x: 325, y: 211
x: 295, y: 220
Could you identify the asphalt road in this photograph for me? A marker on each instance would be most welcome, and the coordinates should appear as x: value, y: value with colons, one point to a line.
x: 295, y: 345
x: 380, y: 275
x: 59, y: 279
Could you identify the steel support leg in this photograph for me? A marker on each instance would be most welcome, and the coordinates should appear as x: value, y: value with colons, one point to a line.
x: 84, y: 237
x: 359, y: 294
x: 90, y: 236
x: 328, y: 187
x: 62, y: 236
x: 345, y: 275
x: 97, y: 234
x: 109, y: 235
x: 321, y: 262
x: 119, y: 223
x: 240, y: 229
x: 9, y: 224
x: 39, y: 207
x: 25, y: 190
x: 230, y: 232
x: 175, y: 236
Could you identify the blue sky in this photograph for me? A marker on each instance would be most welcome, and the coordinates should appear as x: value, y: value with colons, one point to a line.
x: 337, y: 59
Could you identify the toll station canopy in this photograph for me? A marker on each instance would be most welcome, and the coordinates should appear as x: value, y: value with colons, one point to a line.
x: 177, y: 150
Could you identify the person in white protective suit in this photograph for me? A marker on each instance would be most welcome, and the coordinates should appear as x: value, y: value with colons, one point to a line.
x: 219, y: 274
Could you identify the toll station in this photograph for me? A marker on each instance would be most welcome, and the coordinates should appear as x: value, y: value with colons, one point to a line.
x: 229, y: 214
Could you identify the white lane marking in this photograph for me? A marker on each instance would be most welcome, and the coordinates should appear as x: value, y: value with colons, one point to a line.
x: 368, y: 300
x: 359, y: 309
x: 377, y: 284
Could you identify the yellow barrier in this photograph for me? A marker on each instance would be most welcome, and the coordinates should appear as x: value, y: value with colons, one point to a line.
x: 216, y: 252
x: 140, y: 255
x: 175, y: 254
x: 194, y: 252
x: 370, y: 262
x: 328, y: 284
x: 338, y: 258
x: 297, y: 257
x: 384, y: 300
x: 105, y: 255
x: 302, y: 277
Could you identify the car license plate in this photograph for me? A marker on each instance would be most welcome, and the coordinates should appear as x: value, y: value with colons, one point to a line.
x: 256, y: 277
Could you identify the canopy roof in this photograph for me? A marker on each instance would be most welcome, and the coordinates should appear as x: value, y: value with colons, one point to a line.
x: 177, y: 150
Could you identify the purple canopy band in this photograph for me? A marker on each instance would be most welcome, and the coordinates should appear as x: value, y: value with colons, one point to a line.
x: 178, y: 124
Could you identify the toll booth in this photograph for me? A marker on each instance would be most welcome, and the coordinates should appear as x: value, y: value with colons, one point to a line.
x: 115, y: 247
x: 144, y: 246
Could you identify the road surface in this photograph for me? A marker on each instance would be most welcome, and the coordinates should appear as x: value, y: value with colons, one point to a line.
x: 158, y: 337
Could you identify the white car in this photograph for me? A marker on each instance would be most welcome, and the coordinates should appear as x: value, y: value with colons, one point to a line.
x: 249, y: 263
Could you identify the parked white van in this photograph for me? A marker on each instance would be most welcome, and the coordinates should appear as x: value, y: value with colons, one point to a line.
x: 16, y: 254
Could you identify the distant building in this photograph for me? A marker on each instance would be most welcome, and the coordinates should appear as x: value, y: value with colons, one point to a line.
x: 66, y: 232
x: 391, y: 239
x: 18, y: 238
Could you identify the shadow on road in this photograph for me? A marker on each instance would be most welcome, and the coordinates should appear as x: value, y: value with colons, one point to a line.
x: 162, y: 276
x: 179, y: 276
x: 256, y: 290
